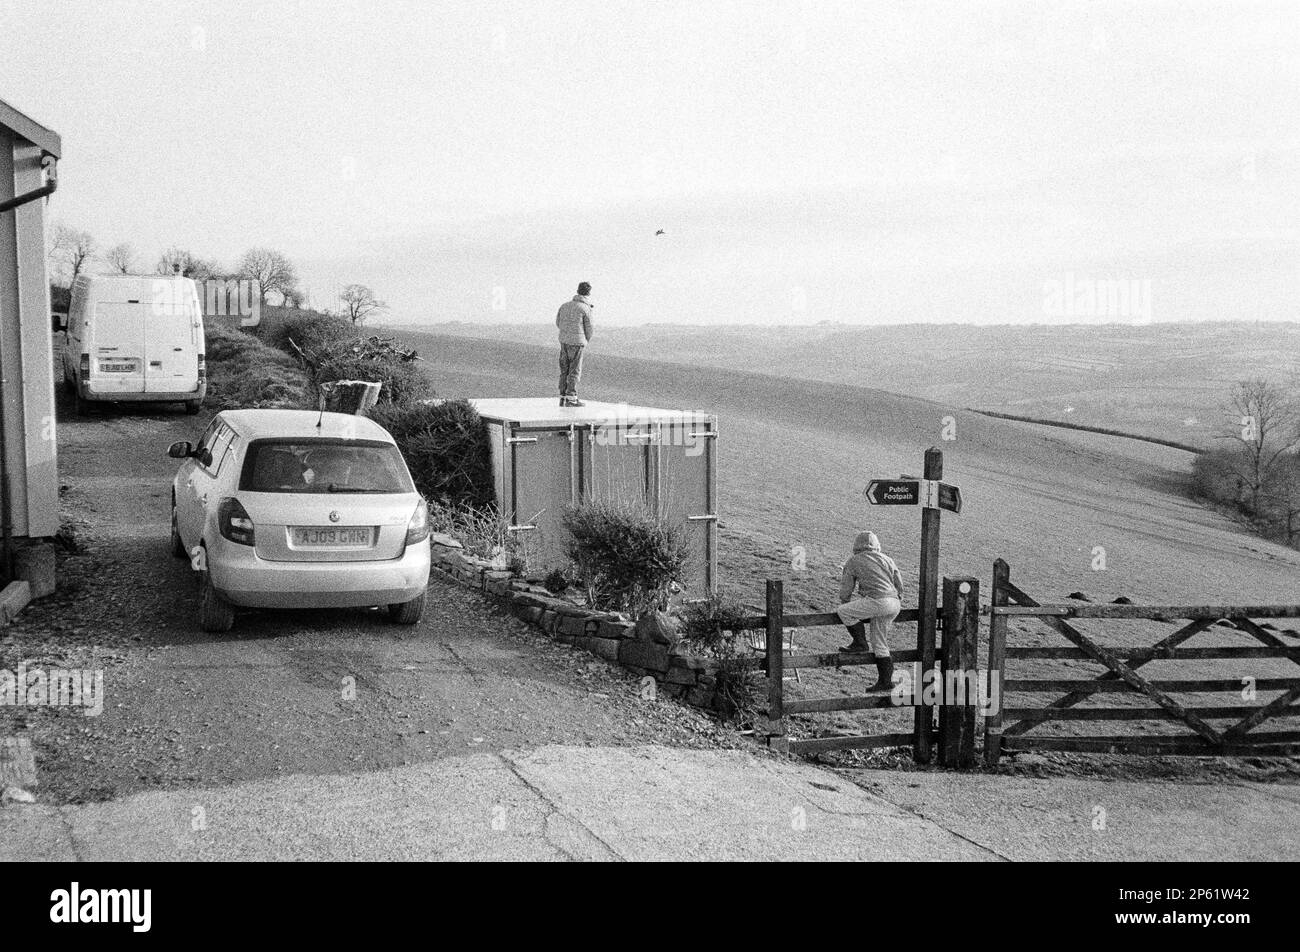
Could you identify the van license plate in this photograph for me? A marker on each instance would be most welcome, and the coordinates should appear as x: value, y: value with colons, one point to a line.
x: 325, y: 535
x: 116, y: 368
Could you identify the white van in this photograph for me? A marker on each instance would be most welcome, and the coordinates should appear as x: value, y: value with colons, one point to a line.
x: 132, y: 338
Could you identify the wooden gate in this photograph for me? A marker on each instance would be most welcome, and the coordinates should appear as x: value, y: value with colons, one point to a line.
x: 954, y: 734
x: 1006, y: 729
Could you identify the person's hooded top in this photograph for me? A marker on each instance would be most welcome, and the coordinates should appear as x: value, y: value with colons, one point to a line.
x: 574, y: 320
x: 872, y: 573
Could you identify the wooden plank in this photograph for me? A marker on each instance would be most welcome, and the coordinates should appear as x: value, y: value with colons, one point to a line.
x: 1272, y: 709
x: 816, y: 620
x: 1112, y: 686
x: 845, y: 659
x: 820, y: 705
x: 1270, y: 639
x: 1277, y: 743
x: 997, y: 661
x: 815, y: 745
x: 1156, y: 654
x: 1160, y: 612
x: 775, y: 648
x: 1042, y: 714
x: 927, y: 603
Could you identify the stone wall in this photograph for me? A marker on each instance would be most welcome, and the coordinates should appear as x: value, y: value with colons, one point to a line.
x: 642, y: 651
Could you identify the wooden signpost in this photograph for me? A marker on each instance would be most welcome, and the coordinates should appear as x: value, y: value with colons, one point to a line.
x: 933, y: 495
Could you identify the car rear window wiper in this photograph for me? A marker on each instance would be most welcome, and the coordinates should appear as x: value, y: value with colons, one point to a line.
x: 352, y: 489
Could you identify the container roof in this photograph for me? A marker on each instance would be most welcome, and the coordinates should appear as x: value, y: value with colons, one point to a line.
x: 31, y: 130
x: 546, y: 411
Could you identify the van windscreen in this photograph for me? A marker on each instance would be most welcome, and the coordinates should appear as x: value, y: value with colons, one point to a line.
x: 324, y: 466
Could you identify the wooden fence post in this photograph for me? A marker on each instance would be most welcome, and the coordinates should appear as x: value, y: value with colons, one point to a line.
x: 775, y: 665
x: 927, y: 603
x: 961, y: 620
x: 997, y: 661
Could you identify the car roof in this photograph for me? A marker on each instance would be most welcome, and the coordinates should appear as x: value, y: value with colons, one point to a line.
x: 269, y: 424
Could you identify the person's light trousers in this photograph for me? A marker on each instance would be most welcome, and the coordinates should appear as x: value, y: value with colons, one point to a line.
x: 880, y: 612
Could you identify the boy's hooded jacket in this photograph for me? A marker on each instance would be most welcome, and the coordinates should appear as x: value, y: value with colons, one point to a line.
x: 870, y: 571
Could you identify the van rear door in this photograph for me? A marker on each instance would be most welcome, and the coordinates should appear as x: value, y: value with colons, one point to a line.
x: 118, y: 355
x: 171, y: 343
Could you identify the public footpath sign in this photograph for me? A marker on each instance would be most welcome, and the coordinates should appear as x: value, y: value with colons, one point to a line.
x: 927, y: 493
x: 894, y: 492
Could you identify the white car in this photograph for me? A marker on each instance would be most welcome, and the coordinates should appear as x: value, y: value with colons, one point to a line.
x: 299, y: 509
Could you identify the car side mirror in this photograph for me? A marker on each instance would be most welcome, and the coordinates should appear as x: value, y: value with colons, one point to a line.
x: 180, y: 450
x: 60, y: 321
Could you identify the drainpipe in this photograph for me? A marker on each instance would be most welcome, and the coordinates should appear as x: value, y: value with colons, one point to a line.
x: 46, y: 189
x: 50, y: 164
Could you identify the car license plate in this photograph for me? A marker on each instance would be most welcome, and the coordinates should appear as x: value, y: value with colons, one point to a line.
x: 311, y: 536
x: 116, y: 368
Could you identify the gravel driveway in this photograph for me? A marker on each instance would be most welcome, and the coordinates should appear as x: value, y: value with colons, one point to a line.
x: 285, y: 692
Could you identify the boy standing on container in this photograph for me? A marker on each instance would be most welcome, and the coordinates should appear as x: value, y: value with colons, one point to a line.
x: 574, y: 322
x: 878, y: 584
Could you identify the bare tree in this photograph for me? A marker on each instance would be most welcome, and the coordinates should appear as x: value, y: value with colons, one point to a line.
x: 1266, y: 428
x: 273, y: 271
x: 359, y: 302
x: 71, y: 249
x: 121, y: 258
x: 191, y: 265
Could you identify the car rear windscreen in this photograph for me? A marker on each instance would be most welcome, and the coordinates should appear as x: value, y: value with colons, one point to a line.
x: 324, y: 466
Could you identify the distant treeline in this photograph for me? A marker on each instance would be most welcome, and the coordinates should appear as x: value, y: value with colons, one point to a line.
x: 1088, y: 429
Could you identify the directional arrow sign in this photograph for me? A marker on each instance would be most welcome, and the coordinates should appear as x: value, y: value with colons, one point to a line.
x: 949, y: 497
x: 894, y: 492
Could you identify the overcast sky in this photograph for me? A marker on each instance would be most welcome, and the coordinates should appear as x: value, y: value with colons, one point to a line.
x: 860, y: 162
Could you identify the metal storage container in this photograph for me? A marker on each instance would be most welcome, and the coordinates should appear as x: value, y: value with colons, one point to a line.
x: 546, y: 458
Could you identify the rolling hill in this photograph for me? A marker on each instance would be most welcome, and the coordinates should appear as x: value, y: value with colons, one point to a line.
x: 1167, y: 381
x: 796, y: 451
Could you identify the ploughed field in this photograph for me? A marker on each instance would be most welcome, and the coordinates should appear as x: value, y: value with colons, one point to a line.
x: 1071, y: 512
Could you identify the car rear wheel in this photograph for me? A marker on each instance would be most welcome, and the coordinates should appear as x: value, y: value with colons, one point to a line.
x: 215, y: 613
x: 193, y: 406
x: 407, y: 613
x: 178, y: 547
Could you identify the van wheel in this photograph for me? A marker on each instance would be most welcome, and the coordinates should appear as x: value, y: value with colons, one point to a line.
x: 407, y: 613
x: 193, y: 406
x: 178, y: 547
x: 215, y: 613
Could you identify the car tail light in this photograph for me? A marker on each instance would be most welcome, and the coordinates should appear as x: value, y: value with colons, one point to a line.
x: 234, y: 521
x: 85, y: 367
x: 203, y: 367
x: 417, y: 530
